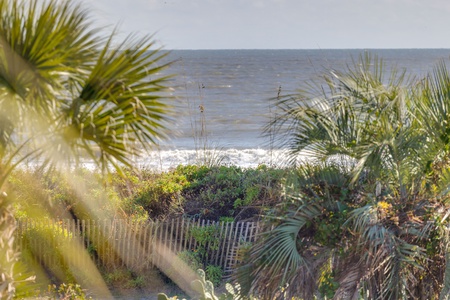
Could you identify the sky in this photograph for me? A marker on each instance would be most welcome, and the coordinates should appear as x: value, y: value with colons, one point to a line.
x: 280, y: 24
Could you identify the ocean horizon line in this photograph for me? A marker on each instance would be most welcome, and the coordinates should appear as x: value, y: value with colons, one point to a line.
x: 297, y: 49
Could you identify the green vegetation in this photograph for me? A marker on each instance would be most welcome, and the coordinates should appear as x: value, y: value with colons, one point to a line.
x: 207, y: 240
x: 204, y: 290
x: 217, y: 192
x: 14, y: 275
x: 214, y: 274
x: 365, y: 216
x: 68, y: 291
x: 43, y: 244
x: 368, y: 216
x: 123, y: 196
x: 65, y: 86
x: 192, y: 259
x: 190, y: 191
x: 69, y: 94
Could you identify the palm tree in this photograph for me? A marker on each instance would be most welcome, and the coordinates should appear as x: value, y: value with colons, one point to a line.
x: 68, y: 93
x: 386, y: 139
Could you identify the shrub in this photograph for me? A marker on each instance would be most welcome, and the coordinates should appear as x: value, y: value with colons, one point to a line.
x: 136, y: 282
x: 162, y: 195
x: 10, y: 267
x: 118, y: 276
x: 191, y: 258
x: 49, y: 244
x: 68, y: 291
x: 207, y: 238
x: 214, y: 274
x: 227, y: 191
x: 123, y: 278
x: 205, y: 290
x: 208, y: 192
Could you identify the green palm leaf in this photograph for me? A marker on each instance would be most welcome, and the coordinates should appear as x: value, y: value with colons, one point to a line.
x: 78, y: 95
x: 392, y: 136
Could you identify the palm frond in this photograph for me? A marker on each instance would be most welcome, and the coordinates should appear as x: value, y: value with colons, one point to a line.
x: 351, y: 270
x: 445, y: 292
x: 120, y: 109
x: 77, y: 94
x: 389, y: 255
x: 393, y: 133
x: 277, y: 258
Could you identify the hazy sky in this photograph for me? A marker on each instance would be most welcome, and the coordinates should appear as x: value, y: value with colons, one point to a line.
x: 282, y: 24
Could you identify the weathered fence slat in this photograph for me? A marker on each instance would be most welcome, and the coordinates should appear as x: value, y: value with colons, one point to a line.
x: 171, y: 237
x: 189, y: 234
x: 179, y: 236
x: 137, y: 246
x: 160, y: 228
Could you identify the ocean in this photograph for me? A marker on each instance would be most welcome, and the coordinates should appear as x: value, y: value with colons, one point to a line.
x: 222, y: 98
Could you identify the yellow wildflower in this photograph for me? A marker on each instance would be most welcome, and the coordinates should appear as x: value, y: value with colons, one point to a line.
x: 384, y: 205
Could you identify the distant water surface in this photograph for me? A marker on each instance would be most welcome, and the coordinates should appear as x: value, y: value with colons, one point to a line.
x: 223, y: 95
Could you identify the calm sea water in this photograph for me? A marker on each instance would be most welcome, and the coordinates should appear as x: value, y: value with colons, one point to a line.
x: 223, y: 96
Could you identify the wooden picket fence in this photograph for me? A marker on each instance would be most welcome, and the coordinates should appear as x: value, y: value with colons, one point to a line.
x: 138, y: 246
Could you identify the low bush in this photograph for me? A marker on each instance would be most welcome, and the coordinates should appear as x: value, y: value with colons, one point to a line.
x: 207, y: 239
x: 214, y: 274
x: 68, y: 291
x: 48, y: 245
x: 122, y: 278
x: 191, y: 258
x: 163, y: 195
x: 193, y: 191
x: 231, y: 191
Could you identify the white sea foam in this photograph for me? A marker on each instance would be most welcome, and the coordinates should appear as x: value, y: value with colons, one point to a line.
x: 164, y: 160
